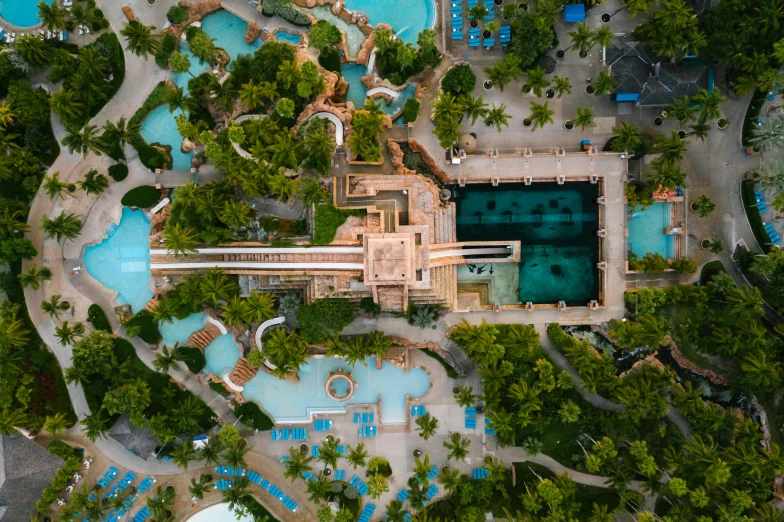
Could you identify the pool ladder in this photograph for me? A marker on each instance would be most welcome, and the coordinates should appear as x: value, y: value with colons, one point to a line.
x: 120, y: 300
x: 111, y: 229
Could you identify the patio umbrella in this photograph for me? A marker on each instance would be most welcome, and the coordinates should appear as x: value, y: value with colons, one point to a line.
x: 468, y: 143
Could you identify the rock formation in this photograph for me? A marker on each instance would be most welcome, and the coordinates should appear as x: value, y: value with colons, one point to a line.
x: 686, y: 363
x: 429, y: 161
x: 253, y: 32
x: 199, y: 9
x: 396, y: 154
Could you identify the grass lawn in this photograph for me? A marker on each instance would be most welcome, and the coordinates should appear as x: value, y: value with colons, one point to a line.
x: 559, y: 439
x: 450, y: 372
x: 328, y: 219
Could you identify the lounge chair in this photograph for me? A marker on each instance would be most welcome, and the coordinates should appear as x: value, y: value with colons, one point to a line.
x: 356, y: 418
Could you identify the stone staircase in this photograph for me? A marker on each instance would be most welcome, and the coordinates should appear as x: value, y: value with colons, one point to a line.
x: 204, y: 337
x: 391, y: 298
x: 242, y: 372
x: 443, y: 279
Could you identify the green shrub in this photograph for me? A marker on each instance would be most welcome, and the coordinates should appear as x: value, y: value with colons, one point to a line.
x: 251, y: 416
x: 330, y: 59
x: 145, y: 196
x: 119, y: 171
x: 256, y: 510
x: 287, y: 12
x: 108, y: 45
x: 324, y: 318
x: 192, y: 357
x: 97, y: 317
x: 328, y: 219
x: 460, y: 79
x: 148, y: 332
x: 177, y: 14
x: 410, y: 110
x: 367, y: 305
x: 168, y: 45
x: 61, y: 449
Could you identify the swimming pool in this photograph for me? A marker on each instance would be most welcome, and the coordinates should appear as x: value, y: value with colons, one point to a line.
x: 160, y: 127
x: 228, y: 31
x: 646, y: 231
x: 219, y: 513
x: 122, y: 261
x: 287, y: 401
x: 180, y: 329
x: 357, y: 92
x: 406, y: 17
x: 22, y: 13
x: 290, y: 38
x: 222, y: 355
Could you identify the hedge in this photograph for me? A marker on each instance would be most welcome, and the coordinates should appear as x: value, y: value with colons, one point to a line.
x: 145, y: 196
x: 97, y: 317
x: 330, y: 59
x: 410, y: 110
x: 272, y: 8
x: 149, y: 332
x: 61, y: 478
x: 192, y: 357
x: 753, y: 215
x: 757, y: 100
x: 328, y: 219
x: 119, y: 171
x: 251, y: 416
x: 150, y: 157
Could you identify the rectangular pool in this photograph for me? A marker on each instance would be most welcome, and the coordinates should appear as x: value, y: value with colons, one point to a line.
x: 646, y: 230
x: 556, y: 226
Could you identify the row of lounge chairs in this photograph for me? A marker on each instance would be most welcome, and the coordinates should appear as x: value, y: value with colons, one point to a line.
x: 289, y: 434
x: 360, y: 486
x: 367, y: 418
x: 417, y: 411
x: 761, y: 205
x: 125, y: 482
x: 774, y: 236
x: 107, y: 477
x: 143, y: 514
x: 222, y: 484
x: 322, y: 424
x: 367, y: 431
x: 231, y: 470
x: 470, y: 419
x: 367, y: 512
x: 122, y: 484
x: 480, y: 473
x: 260, y: 481
x: 47, y: 35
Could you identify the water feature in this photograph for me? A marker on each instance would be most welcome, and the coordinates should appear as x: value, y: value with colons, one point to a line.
x: 219, y: 513
x: 121, y: 262
x: 556, y: 225
x: 646, y: 230
x: 715, y: 392
x: 357, y: 92
x: 22, y: 13
x: 229, y: 30
x: 287, y: 401
x: 406, y: 17
x: 179, y: 330
x: 160, y: 127
x: 354, y: 36
x: 290, y: 38
x: 222, y: 355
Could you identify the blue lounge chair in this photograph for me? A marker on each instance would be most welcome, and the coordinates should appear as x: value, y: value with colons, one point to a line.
x: 457, y: 35
x: 315, y: 451
x: 371, y: 417
x: 356, y: 418
x: 364, y: 418
x: 402, y: 496
x: 480, y: 473
x: 488, y: 43
x: 414, y: 411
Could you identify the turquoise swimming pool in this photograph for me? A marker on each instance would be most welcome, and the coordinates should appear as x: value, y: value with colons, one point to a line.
x: 180, y: 329
x: 22, y: 13
x: 357, y: 92
x: 283, y: 36
x: 160, y: 127
x: 646, y: 231
x: 406, y: 17
x: 229, y: 30
x: 122, y: 261
x: 222, y: 355
x: 287, y: 401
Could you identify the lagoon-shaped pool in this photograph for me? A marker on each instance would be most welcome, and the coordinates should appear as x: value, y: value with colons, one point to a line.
x: 222, y: 355
x: 228, y: 30
x: 179, y: 330
x: 122, y: 261
x: 160, y: 127
x: 287, y: 401
x: 406, y: 17
x: 357, y: 92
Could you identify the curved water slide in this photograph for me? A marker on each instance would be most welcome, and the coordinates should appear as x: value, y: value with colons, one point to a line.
x: 336, y: 122
x: 384, y: 90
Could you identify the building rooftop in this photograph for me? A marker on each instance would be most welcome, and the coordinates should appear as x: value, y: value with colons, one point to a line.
x: 389, y: 259
x: 26, y: 469
x: 139, y: 441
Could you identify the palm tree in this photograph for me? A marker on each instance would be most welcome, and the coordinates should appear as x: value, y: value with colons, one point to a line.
x: 769, y: 134
x: 165, y: 311
x: 504, y: 71
x: 34, y: 276
x: 502, y: 421
x: 187, y: 413
x: 67, y: 334
x: 55, y: 425
x: 319, y: 489
x: 605, y: 84
x: 422, y: 317
x: 54, y: 188
x: 52, y: 15
x: 450, y: 478
x: 216, y: 286
x: 426, y: 425
x: 582, y: 39
x: 211, y: 451
x: 627, y: 138
x: 311, y: 191
x: 682, y: 109
x: 83, y: 141
x: 119, y: 132
x: 12, y: 419
x: 651, y: 331
x: 66, y: 105
x: 474, y: 108
x: 251, y: 95
x: 584, y: 117
x: 355, y: 351
x: 377, y: 485
x: 198, y: 489
x: 457, y: 446
x: 478, y: 12
x: 258, y: 307
x: 710, y: 103
x: 94, y: 182
x: 671, y: 148
x: 180, y: 63
x: 161, y: 500
x: 535, y: 81
x: 395, y: 511
x: 746, y: 302
x: 624, y: 333
x: 165, y: 360
x: 561, y: 85
x: 541, y: 114
x: 465, y: 396
x: 497, y: 117
x: 235, y: 454
x: 7, y: 114
x: 178, y: 100
x: 297, y: 464
x: 665, y: 175
x: 377, y: 343
x: 328, y: 453
x: 422, y: 468
x: 771, y: 177
x: 95, y: 426
x: 236, y: 214
x: 283, y: 187
x: 699, y: 129
x: 180, y: 240
x: 357, y: 455
x: 54, y: 306
x: 13, y: 334
x: 760, y: 372
x: 140, y: 39
x: 603, y: 37
x: 183, y: 454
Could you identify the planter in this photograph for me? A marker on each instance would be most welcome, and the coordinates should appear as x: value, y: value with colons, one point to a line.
x: 606, y: 18
x: 705, y: 244
x: 473, y: 24
x: 151, y: 2
x: 560, y: 53
x: 550, y: 93
x: 682, y: 134
x: 488, y: 85
x: 694, y: 207
x: 486, y: 34
x: 568, y: 125
x: 751, y: 150
x: 498, y: 2
x: 527, y: 123
x: 778, y: 217
x: 488, y: 459
x: 523, y: 6
x: 658, y: 121
x: 722, y: 123
x: 590, y: 89
x: 327, y: 472
x: 455, y: 390
x: 416, y: 453
x: 303, y: 448
x: 526, y: 89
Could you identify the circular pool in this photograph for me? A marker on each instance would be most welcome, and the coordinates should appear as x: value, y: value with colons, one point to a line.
x: 218, y: 513
x: 22, y: 13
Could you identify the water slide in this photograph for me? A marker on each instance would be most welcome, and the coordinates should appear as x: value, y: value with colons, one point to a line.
x: 384, y: 90
x: 336, y: 122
